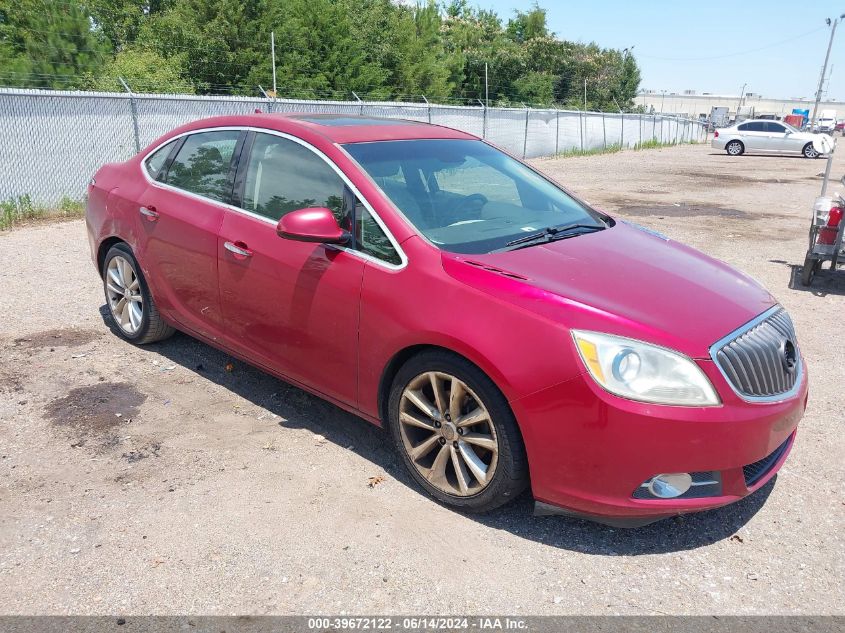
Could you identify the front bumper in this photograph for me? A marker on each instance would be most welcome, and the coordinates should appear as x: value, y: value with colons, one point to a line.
x: 588, y: 450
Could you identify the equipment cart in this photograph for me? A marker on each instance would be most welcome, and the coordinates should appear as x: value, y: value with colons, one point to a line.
x: 827, y: 227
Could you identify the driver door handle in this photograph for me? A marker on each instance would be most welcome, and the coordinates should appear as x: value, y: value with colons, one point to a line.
x: 149, y: 212
x: 238, y: 248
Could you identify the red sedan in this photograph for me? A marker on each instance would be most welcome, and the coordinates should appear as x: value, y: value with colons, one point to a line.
x: 506, y: 333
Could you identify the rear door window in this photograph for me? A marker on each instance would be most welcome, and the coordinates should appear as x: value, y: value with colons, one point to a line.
x: 203, y: 162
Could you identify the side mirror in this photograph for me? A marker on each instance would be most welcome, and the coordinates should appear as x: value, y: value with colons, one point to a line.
x: 312, y: 224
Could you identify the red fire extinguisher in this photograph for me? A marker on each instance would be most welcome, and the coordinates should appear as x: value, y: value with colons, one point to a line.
x: 827, y: 234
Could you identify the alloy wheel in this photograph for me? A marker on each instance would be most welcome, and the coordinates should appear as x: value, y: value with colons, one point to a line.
x: 123, y: 290
x: 734, y: 149
x: 448, y: 434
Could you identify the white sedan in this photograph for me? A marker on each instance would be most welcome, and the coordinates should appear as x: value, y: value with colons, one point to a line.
x: 766, y: 137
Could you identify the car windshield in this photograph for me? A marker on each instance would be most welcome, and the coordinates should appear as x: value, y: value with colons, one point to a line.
x: 468, y: 197
x: 788, y: 126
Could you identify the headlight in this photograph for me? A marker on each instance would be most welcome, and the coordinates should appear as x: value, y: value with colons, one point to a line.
x: 639, y: 371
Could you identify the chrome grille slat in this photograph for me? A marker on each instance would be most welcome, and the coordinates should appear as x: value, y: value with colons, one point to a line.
x: 728, y: 366
x: 772, y: 347
x: 760, y: 365
x: 748, y: 365
x: 752, y: 358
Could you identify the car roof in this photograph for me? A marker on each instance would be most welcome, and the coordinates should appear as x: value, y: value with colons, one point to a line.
x: 336, y: 128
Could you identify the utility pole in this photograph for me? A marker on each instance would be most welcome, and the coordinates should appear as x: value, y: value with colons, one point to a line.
x: 824, y: 69
x: 486, y: 89
x: 739, y: 104
x: 662, y: 99
x: 827, y: 81
x: 273, y: 55
x: 585, y: 94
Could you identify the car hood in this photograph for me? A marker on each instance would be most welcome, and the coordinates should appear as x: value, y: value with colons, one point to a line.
x: 625, y: 280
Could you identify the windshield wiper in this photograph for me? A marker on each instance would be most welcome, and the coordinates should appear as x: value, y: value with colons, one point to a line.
x: 552, y: 233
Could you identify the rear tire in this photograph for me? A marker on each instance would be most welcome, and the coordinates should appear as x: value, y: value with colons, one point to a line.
x: 735, y: 148
x: 808, y: 272
x: 809, y: 151
x: 131, y: 306
x: 482, y: 463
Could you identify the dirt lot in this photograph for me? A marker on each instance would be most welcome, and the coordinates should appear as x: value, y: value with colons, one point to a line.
x: 153, y: 480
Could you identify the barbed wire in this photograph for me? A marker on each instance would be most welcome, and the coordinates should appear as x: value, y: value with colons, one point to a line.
x: 499, y: 78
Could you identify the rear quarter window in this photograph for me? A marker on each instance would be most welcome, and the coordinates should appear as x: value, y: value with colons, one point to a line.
x: 156, y: 161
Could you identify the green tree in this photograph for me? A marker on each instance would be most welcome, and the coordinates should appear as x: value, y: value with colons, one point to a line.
x: 535, y: 87
x: 526, y: 25
x: 121, y: 20
x: 319, y: 52
x: 144, y: 70
x: 612, y: 78
x: 473, y: 38
x: 218, y: 42
x: 379, y: 49
x: 48, y: 44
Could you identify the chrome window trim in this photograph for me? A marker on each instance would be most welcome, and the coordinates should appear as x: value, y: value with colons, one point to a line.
x: 799, y: 368
x: 245, y: 128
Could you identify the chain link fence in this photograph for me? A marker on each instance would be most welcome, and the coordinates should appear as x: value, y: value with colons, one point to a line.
x: 52, y: 142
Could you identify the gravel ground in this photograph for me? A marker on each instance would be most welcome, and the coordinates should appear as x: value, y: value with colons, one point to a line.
x: 155, y: 481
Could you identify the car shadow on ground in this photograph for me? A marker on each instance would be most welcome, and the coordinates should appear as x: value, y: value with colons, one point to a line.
x: 675, y: 534
x: 746, y: 155
x: 825, y: 282
x: 300, y: 410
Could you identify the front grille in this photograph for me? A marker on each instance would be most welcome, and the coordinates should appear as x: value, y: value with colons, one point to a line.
x: 759, y: 469
x: 762, y: 361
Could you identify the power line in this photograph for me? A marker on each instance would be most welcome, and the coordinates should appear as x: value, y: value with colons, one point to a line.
x: 726, y: 55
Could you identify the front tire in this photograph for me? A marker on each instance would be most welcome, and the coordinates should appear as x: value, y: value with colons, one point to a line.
x: 809, y: 151
x: 128, y: 298
x: 456, y: 432
x: 735, y: 148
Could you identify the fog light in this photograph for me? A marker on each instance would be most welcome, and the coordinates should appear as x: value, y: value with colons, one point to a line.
x: 670, y: 486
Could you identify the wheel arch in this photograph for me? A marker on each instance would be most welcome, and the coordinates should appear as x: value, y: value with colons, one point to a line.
x: 103, y: 249
x: 406, y: 353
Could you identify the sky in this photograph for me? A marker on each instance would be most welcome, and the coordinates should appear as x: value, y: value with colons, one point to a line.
x: 776, y: 47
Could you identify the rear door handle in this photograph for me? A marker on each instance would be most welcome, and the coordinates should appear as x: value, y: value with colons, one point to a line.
x: 149, y: 213
x: 239, y: 249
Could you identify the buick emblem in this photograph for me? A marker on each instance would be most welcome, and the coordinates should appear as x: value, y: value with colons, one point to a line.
x: 788, y: 356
